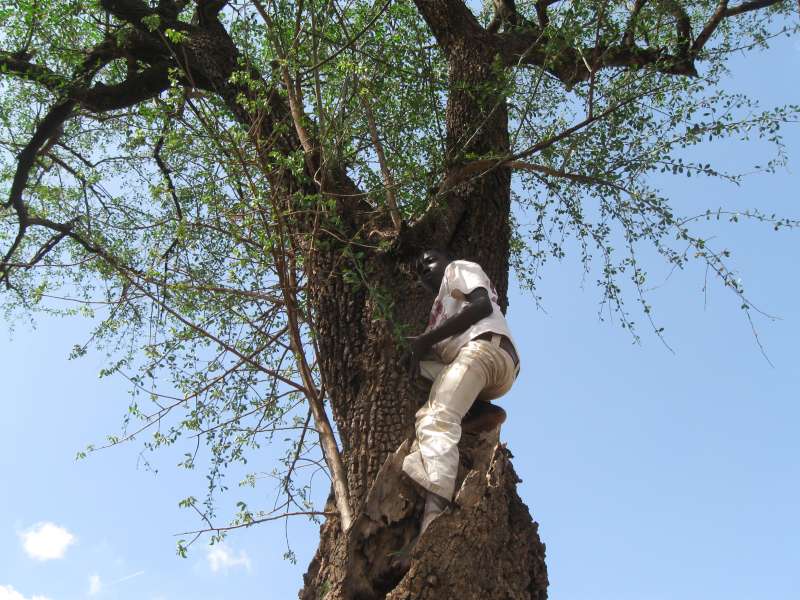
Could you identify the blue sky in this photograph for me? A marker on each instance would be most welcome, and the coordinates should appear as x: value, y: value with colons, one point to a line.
x: 653, y: 475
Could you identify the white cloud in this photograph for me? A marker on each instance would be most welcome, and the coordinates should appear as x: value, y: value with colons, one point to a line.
x: 9, y: 593
x: 222, y: 558
x: 95, y: 584
x: 46, y: 541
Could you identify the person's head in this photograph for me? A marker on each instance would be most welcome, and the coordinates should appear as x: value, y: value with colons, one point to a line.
x: 430, y: 267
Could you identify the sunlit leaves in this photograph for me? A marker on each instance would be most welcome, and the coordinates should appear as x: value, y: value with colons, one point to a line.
x: 181, y: 196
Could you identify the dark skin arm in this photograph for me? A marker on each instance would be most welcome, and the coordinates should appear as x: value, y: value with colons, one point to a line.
x: 477, y: 306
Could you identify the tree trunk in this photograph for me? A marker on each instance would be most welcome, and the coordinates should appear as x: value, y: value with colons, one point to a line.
x: 485, y: 545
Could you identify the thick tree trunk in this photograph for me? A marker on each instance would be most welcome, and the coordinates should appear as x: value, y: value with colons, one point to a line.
x: 486, y: 544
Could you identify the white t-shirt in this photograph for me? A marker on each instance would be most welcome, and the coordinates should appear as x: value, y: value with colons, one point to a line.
x: 460, y: 278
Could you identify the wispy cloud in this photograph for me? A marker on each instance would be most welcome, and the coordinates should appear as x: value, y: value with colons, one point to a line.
x: 46, y: 541
x: 222, y: 558
x: 9, y: 593
x: 127, y: 577
x: 95, y: 585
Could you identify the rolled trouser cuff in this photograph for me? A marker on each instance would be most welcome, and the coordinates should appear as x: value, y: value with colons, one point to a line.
x: 415, y: 469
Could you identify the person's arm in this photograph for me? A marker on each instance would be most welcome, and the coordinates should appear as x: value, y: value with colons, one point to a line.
x: 477, y: 306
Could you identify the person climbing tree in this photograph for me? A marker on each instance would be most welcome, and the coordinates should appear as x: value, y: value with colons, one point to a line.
x: 475, y: 358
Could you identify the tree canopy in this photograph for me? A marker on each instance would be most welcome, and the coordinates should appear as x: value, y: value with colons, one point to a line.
x: 176, y: 169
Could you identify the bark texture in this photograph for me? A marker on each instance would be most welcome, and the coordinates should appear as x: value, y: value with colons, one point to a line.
x: 484, y: 545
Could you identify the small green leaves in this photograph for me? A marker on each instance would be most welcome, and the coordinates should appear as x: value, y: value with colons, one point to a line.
x: 182, y: 549
x: 190, y: 203
x: 187, y: 502
x: 152, y: 22
x: 174, y: 36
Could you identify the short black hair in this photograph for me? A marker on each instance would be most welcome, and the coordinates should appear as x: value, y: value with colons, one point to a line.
x: 443, y: 250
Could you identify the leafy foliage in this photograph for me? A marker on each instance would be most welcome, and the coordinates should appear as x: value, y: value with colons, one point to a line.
x: 170, y: 234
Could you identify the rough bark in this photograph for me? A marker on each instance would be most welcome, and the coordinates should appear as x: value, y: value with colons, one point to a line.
x: 484, y: 545
x: 373, y: 401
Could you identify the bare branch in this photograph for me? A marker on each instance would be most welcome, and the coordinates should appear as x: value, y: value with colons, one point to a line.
x: 300, y: 443
x: 481, y: 167
x: 545, y: 170
x: 721, y: 12
x: 47, y: 247
x: 350, y: 42
x: 750, y: 6
x: 710, y: 26
x: 167, y: 173
x: 257, y: 521
x: 388, y: 180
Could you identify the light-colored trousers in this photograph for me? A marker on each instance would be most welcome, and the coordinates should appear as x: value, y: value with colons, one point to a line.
x: 481, y: 370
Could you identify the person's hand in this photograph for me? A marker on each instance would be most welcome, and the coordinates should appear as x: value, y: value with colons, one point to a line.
x: 418, y: 348
x: 419, y: 344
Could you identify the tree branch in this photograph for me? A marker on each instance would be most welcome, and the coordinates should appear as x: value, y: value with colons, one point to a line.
x: 257, y: 521
x: 135, y: 89
x: 520, y: 47
x: 750, y: 6
x: 523, y: 47
x: 132, y: 11
x: 47, y: 128
x: 723, y: 12
x: 386, y: 173
x: 450, y: 22
x: 208, y: 11
x: 630, y: 29
x: 13, y: 64
x: 167, y: 174
x: 545, y: 170
x: 683, y: 27
x: 710, y: 26
x: 481, y: 167
x: 541, y: 12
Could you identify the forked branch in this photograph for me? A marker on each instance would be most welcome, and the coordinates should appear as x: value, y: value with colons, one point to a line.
x: 530, y: 46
